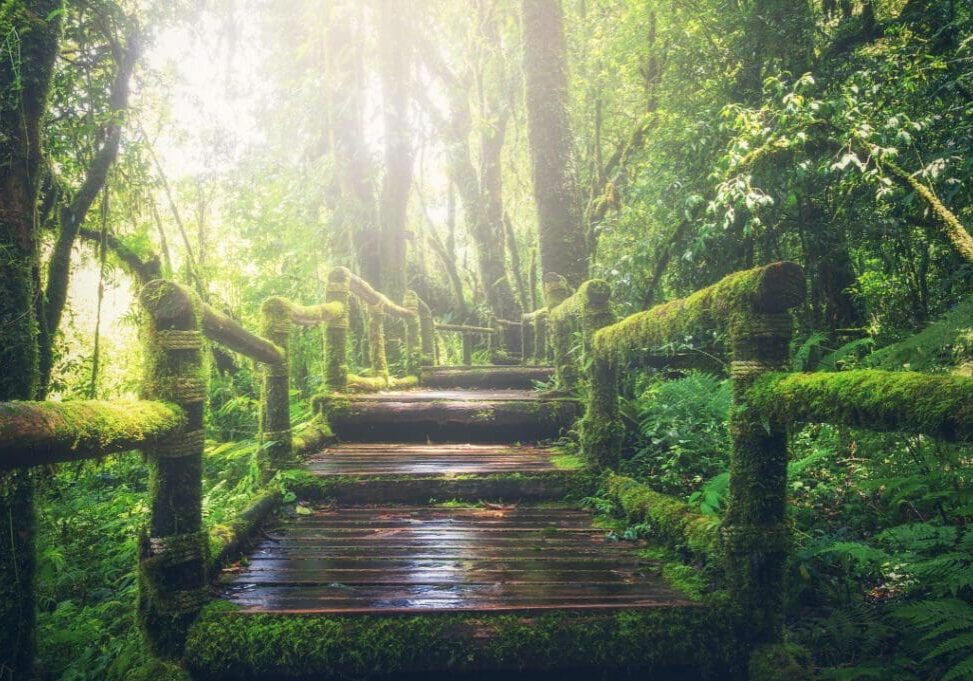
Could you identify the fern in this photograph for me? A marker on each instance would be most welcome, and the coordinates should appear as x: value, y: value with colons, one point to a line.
x: 947, y: 622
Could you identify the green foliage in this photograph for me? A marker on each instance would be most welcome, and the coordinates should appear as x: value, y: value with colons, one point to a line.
x: 683, y: 436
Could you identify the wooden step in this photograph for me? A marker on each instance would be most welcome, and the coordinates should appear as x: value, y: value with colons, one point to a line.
x: 366, y: 473
x: 368, y: 591
x: 485, y: 376
x: 455, y: 559
x: 447, y: 416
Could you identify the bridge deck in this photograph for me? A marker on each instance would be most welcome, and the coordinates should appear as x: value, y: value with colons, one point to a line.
x: 427, y: 559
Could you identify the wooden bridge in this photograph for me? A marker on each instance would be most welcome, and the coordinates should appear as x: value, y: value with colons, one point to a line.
x: 437, y: 529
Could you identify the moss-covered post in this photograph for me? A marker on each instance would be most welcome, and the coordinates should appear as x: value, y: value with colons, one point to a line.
x: 467, y: 348
x: 541, y: 346
x: 172, y: 553
x: 556, y: 291
x: 601, y: 427
x: 427, y: 334
x: 275, y: 416
x: 527, y: 339
x: 376, y: 341
x: 336, y: 333
x: 413, y: 339
x: 755, y: 531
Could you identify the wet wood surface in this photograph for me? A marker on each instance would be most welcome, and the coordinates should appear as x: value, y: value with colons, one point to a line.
x: 421, y: 559
x: 364, y: 459
x: 484, y: 377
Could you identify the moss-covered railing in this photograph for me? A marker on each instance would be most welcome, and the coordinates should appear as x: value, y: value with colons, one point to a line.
x: 746, y: 315
x: 468, y: 333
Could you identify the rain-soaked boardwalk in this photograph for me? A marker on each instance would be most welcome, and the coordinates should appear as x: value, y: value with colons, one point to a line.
x: 425, y: 559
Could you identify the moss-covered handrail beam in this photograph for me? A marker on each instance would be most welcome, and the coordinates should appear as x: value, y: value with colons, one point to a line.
x: 465, y: 328
x: 229, y: 333
x: 769, y: 289
x: 937, y: 405
x: 38, y: 433
x: 364, y: 291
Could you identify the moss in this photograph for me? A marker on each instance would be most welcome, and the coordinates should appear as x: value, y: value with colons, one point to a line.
x: 314, y: 435
x: 938, y: 405
x: 366, y: 384
x: 781, y: 662
x: 275, y: 418
x: 226, y: 645
x: 172, y: 550
x: 768, y: 289
x: 376, y: 343
x: 33, y: 433
x: 686, y: 579
x: 336, y: 333
x: 413, y: 334
x: 672, y: 518
x: 567, y: 462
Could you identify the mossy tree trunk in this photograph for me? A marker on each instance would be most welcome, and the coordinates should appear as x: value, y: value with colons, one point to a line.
x: 560, y: 222
x: 173, y: 550
x: 32, y: 29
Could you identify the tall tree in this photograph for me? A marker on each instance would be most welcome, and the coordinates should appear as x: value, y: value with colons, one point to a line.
x: 395, y: 52
x: 480, y: 192
x: 32, y: 30
x: 563, y: 245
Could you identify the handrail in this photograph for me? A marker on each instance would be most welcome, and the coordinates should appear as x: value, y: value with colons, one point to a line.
x: 364, y: 290
x: 40, y: 433
x: 940, y: 406
x: 753, y: 306
x: 228, y: 332
x: 464, y: 328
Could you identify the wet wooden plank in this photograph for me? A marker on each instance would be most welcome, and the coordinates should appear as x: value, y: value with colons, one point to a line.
x: 383, y: 459
x: 405, y: 559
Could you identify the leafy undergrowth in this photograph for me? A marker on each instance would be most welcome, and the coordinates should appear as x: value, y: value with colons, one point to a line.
x: 880, y: 582
x: 89, y: 518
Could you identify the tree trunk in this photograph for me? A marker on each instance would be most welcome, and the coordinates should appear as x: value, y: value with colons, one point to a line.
x: 24, y: 85
x: 395, y: 72
x: 560, y: 223
x: 354, y: 206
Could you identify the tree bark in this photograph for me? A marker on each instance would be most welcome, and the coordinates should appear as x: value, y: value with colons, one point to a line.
x: 395, y: 72
x: 72, y: 215
x: 25, y: 81
x: 564, y: 248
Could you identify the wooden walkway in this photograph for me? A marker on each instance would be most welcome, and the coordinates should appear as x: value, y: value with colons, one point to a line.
x: 473, y: 536
x: 412, y: 559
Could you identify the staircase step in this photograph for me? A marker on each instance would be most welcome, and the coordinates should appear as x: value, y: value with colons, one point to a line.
x: 448, y: 415
x: 366, y: 473
x: 363, y: 592
x: 485, y: 376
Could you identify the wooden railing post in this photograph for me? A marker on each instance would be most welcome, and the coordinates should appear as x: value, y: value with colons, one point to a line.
x: 526, y: 338
x: 376, y: 342
x: 541, y: 346
x: 601, y: 427
x: 755, y: 530
x: 556, y: 291
x: 427, y: 334
x: 413, y: 353
x: 336, y: 334
x: 172, y: 553
x: 275, y: 418
x: 467, y: 349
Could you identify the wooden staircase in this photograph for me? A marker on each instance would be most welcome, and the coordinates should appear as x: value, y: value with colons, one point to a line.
x: 436, y: 538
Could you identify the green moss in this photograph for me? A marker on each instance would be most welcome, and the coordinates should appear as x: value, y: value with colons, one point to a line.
x: 938, y: 405
x: 768, y: 289
x: 686, y: 579
x: 567, y: 462
x: 33, y: 433
x: 226, y: 645
x: 672, y: 518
